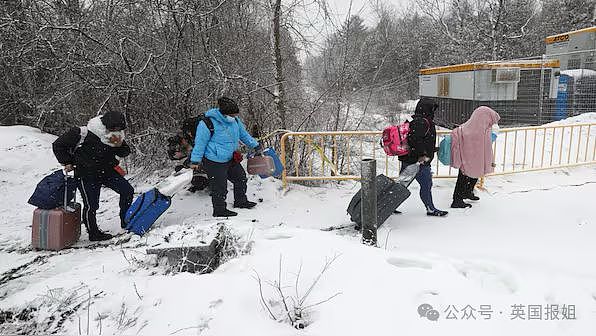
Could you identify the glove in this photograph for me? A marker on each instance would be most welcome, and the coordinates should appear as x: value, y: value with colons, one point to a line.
x: 196, y: 166
x: 258, y: 151
x: 68, y: 168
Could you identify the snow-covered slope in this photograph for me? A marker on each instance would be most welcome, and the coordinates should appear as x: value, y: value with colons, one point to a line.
x: 528, y: 242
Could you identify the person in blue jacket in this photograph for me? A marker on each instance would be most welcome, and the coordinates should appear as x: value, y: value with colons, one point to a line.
x: 215, y: 154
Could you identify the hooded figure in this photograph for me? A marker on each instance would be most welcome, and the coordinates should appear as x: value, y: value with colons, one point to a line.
x: 471, y: 153
x: 215, y: 154
x: 422, y: 139
x: 422, y: 136
x: 91, y: 152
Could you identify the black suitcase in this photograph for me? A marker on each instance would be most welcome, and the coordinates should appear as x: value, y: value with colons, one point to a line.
x: 390, y: 195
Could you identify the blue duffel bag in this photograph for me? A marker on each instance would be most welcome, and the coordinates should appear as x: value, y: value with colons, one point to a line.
x: 145, y: 210
x: 50, y: 191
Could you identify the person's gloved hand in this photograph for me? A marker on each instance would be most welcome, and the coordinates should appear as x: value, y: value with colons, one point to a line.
x: 196, y: 166
x: 258, y: 151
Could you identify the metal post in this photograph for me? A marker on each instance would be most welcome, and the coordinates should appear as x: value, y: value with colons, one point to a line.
x: 540, y: 98
x: 368, y: 205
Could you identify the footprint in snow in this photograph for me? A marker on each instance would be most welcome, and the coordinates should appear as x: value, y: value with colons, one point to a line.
x: 215, y: 303
x: 409, y: 263
x: 488, y: 276
x: 278, y: 236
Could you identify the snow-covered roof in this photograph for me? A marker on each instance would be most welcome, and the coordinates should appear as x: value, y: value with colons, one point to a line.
x: 582, y: 118
x: 524, y: 64
x: 579, y: 73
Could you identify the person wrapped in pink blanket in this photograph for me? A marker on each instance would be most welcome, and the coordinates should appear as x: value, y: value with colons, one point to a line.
x: 472, y: 154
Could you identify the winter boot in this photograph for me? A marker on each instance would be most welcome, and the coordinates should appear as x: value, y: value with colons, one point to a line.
x: 472, y: 197
x: 459, y: 203
x: 224, y: 213
x: 245, y: 205
x: 436, y: 213
x: 99, y: 236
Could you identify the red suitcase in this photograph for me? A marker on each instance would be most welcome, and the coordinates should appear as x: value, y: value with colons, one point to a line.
x: 57, y: 228
x: 260, y: 165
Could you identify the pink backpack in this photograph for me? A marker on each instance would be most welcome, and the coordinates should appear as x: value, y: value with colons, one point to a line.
x: 395, y: 139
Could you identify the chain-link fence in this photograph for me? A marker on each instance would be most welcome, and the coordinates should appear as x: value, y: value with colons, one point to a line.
x: 524, y: 92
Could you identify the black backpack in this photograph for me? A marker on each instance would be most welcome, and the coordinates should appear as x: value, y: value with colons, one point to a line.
x: 189, y: 127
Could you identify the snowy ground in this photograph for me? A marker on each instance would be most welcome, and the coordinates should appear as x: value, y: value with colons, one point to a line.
x: 528, y: 242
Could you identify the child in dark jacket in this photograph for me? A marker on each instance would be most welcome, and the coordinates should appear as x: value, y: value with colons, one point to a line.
x: 422, y: 139
x: 179, y: 148
x: 91, y: 152
x: 215, y: 154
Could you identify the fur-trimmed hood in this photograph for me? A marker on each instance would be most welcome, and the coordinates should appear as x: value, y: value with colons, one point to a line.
x: 98, y: 128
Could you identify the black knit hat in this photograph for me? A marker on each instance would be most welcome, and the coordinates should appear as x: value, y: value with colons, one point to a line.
x: 227, y: 106
x: 114, y: 120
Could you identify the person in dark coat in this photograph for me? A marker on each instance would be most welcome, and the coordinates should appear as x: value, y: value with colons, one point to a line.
x: 215, y: 154
x: 180, y: 146
x: 91, y: 152
x: 422, y: 140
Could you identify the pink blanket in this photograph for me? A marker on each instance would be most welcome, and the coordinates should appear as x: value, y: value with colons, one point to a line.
x: 471, y: 149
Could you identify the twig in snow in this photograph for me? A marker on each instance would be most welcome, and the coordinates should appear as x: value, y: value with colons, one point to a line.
x: 88, y: 310
x: 327, y: 265
x: 137, y: 291
x: 258, y: 278
x: 100, y: 318
x: 281, y: 293
x: 187, y: 328
x: 294, y: 312
x: 297, y: 279
x: 146, y: 323
x: 387, y: 238
x: 322, y: 301
x: 124, y: 255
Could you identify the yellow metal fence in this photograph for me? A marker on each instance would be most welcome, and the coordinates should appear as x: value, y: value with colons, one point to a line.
x: 324, y: 156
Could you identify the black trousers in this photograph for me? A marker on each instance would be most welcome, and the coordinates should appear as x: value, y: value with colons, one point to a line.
x: 464, y: 186
x: 219, y: 174
x: 90, y: 188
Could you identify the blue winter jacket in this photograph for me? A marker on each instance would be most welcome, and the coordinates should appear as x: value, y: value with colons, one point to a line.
x: 220, y: 146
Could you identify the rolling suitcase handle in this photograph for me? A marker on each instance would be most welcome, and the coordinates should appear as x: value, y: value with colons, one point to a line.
x: 66, y: 192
